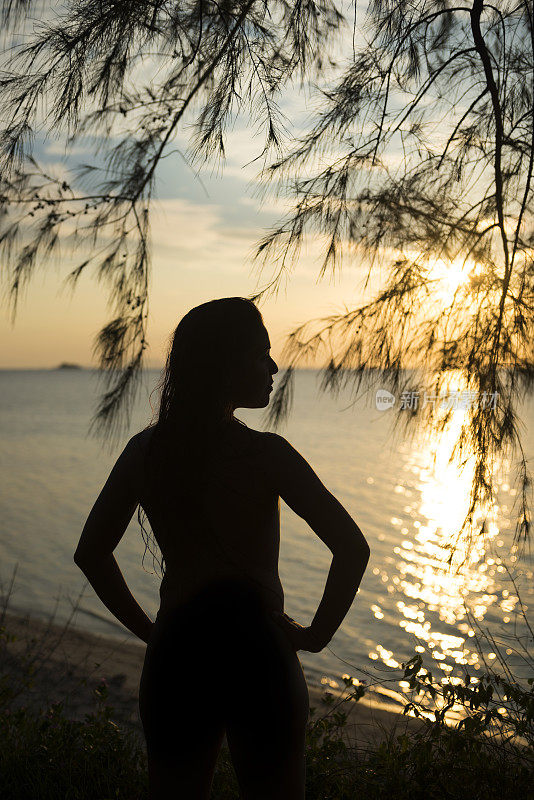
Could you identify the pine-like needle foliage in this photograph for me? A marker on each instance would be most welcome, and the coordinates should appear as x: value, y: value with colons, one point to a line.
x: 205, y: 61
x: 420, y: 164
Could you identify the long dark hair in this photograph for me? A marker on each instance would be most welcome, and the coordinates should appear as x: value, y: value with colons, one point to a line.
x: 195, y: 405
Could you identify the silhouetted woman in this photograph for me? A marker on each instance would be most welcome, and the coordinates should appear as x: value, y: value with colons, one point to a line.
x: 221, y: 655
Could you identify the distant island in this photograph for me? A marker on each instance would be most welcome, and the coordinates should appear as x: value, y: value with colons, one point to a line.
x: 67, y: 365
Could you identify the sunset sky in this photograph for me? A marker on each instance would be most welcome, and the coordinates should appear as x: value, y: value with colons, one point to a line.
x: 202, y: 246
x: 203, y: 237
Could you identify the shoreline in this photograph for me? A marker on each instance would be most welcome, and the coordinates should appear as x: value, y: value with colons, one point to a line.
x: 70, y: 663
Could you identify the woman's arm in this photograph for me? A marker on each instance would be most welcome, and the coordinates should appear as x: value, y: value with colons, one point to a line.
x: 108, y: 582
x: 103, y: 530
x: 302, y: 490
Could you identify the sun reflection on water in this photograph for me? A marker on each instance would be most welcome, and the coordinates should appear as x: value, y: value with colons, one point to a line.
x: 433, y: 595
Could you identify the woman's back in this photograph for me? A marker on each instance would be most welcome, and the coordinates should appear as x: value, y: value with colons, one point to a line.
x: 236, y: 529
x: 210, y: 488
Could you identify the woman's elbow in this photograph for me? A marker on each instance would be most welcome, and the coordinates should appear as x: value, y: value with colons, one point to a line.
x: 83, y: 560
x: 361, y: 548
x: 365, y: 551
x: 79, y: 561
x: 354, y: 549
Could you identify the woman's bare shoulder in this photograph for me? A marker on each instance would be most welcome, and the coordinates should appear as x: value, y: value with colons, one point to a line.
x: 272, y: 446
x: 266, y: 436
x: 142, y: 438
x: 286, y: 465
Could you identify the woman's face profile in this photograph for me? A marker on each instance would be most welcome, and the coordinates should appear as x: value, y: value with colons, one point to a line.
x: 252, y: 384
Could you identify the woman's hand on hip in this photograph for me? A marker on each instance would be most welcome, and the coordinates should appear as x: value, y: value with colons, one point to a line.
x: 301, y: 637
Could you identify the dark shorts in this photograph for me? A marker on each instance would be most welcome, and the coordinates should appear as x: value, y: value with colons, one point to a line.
x: 220, y: 664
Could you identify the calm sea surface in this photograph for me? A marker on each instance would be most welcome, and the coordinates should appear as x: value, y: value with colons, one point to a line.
x: 405, y: 497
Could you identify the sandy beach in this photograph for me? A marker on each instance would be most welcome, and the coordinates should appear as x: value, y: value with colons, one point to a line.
x: 70, y: 663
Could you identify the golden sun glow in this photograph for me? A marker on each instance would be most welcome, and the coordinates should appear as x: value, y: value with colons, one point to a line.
x: 431, y: 597
x: 448, y: 277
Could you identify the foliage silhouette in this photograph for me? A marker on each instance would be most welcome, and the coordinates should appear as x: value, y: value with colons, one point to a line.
x: 420, y: 163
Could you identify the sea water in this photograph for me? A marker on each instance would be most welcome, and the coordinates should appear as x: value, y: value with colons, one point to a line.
x: 404, y: 495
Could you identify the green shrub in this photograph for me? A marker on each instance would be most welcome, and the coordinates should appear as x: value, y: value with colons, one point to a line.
x: 44, y: 756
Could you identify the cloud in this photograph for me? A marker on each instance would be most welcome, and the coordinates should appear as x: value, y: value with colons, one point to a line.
x: 195, y: 236
x: 60, y: 148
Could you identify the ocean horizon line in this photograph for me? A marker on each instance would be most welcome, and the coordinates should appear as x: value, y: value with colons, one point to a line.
x: 82, y: 368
